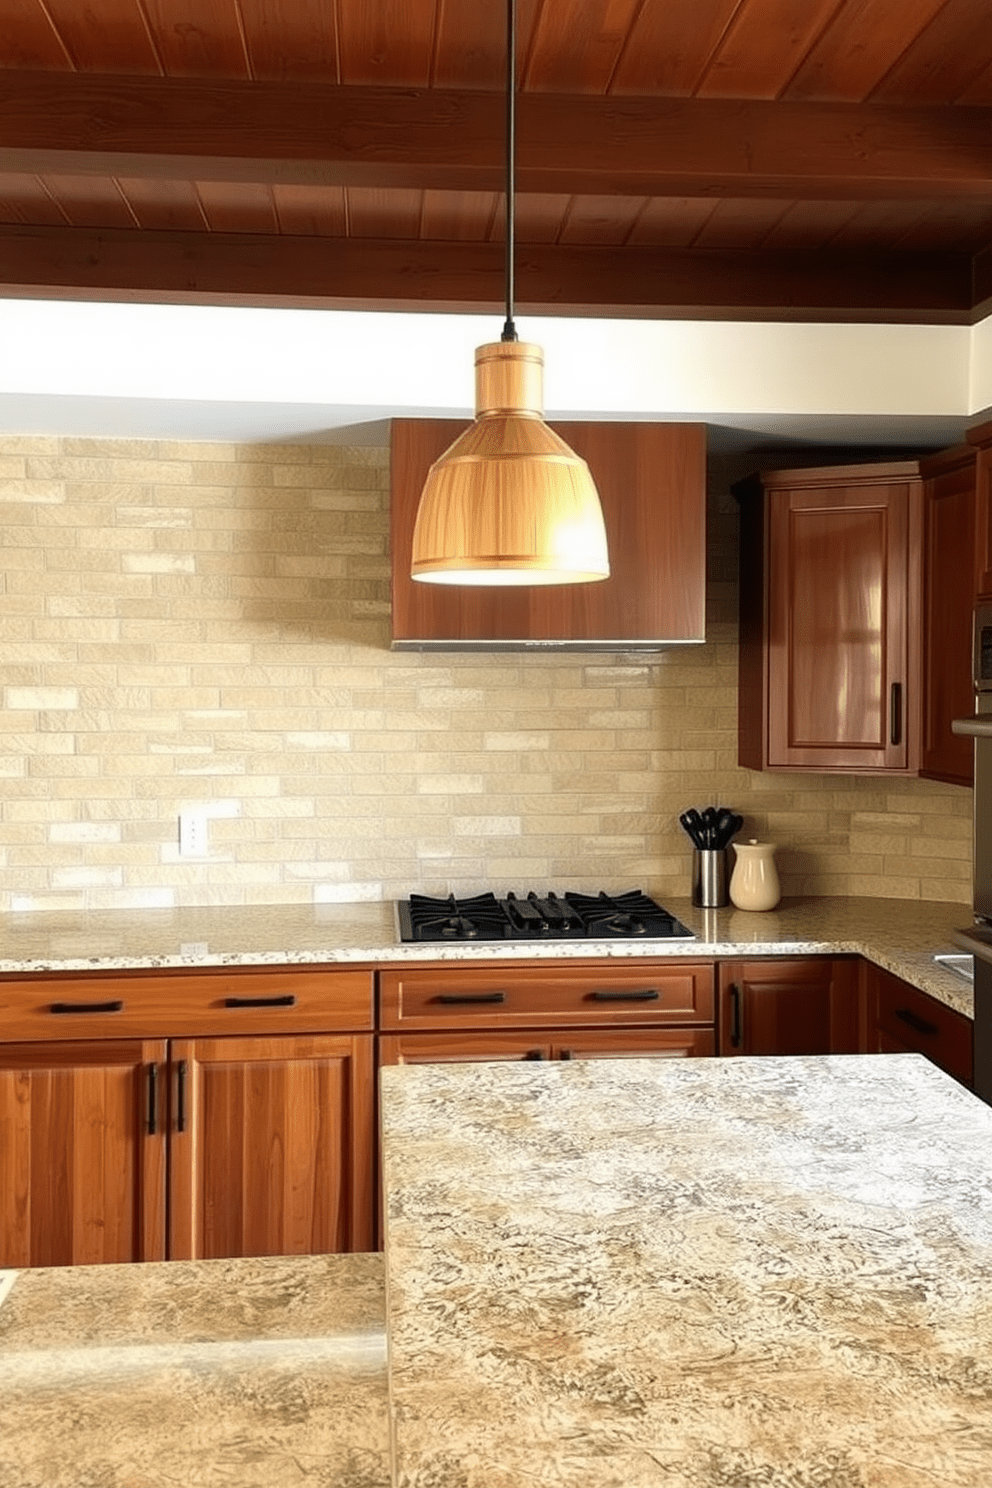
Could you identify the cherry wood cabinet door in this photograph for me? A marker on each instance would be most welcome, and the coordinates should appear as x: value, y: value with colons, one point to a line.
x: 839, y: 677
x: 82, y: 1152
x: 651, y: 479
x: 271, y: 1146
x: 983, y: 525
x: 807, y: 1006
x: 948, y: 538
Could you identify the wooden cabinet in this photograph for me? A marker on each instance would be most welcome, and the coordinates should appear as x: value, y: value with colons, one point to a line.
x: 904, y: 1020
x: 652, y: 483
x: 949, y: 504
x: 270, y: 1146
x: 217, y: 1110
x: 981, y: 440
x: 829, y: 641
x: 82, y: 1152
x: 806, y: 1005
x: 545, y: 1010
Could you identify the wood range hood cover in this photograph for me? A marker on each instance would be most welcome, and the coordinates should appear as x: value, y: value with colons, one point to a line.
x: 651, y: 479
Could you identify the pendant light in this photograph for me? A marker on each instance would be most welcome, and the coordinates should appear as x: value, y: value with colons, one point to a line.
x: 509, y: 502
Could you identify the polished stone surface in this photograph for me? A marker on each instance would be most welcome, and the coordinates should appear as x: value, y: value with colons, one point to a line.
x: 898, y: 934
x: 210, y: 1374
x: 762, y: 1273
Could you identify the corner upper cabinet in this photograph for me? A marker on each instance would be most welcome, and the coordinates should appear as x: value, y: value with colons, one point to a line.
x: 652, y: 482
x: 829, y: 645
x: 949, y: 492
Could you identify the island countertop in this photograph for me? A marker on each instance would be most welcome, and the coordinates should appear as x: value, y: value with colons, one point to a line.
x: 898, y: 934
x: 698, y: 1274
x: 202, y: 1373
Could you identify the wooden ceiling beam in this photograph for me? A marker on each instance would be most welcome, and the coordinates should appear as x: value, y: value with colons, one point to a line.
x: 189, y: 129
x: 348, y: 273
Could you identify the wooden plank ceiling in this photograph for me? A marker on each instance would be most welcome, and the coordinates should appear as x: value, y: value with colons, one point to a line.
x: 826, y: 159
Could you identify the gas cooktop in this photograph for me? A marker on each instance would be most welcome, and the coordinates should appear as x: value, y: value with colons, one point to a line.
x: 537, y: 917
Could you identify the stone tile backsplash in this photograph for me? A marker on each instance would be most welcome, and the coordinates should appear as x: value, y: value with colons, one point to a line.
x: 206, y: 627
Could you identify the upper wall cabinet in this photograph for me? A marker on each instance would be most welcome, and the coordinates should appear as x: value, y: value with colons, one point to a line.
x: 949, y: 509
x: 829, y: 652
x: 981, y: 440
x: 652, y: 483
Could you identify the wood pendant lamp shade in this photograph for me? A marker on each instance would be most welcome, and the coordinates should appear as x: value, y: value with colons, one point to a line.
x: 509, y: 502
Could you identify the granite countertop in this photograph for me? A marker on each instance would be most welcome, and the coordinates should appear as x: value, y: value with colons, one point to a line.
x: 689, y: 1274
x: 899, y: 934
x: 252, y: 1373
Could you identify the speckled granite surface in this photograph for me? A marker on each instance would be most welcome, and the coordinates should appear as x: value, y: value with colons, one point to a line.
x: 764, y: 1273
x: 247, y: 1374
x: 899, y: 934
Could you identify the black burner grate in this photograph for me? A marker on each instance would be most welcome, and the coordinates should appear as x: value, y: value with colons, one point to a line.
x: 571, y: 916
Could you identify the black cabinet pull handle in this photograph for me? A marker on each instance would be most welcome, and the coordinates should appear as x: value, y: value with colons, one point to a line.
x: 287, y: 999
x: 736, y: 1021
x: 915, y: 1021
x: 534, y: 1054
x: 648, y: 994
x: 451, y: 999
x: 152, y: 1099
x: 566, y: 1054
x: 86, y: 1007
x: 895, y: 713
x: 181, y: 1096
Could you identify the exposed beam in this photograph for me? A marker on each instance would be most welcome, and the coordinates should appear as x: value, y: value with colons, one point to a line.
x: 187, y: 129
x: 347, y: 273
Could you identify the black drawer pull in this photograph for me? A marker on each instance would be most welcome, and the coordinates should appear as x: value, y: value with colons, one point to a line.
x: 649, y: 994
x: 86, y: 1007
x: 287, y: 999
x: 534, y: 1054
x: 181, y: 1096
x: 152, y: 1099
x: 736, y: 1030
x: 452, y: 999
x: 915, y: 1021
x: 566, y: 1054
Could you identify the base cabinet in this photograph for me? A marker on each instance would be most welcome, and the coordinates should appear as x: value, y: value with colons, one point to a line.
x: 904, y: 1020
x: 802, y: 1006
x: 251, y: 1136
x: 270, y: 1146
x: 463, y: 1048
x: 82, y: 1153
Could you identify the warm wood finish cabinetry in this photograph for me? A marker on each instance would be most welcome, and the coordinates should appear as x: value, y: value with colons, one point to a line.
x: 779, y: 1006
x: 981, y: 440
x: 271, y: 1148
x: 571, y: 1010
x: 830, y: 580
x: 82, y: 1152
x: 652, y: 483
x: 948, y: 537
x: 130, y: 1131
x: 904, y: 1020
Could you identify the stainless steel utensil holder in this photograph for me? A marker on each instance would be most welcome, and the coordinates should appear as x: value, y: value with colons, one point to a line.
x: 710, y: 877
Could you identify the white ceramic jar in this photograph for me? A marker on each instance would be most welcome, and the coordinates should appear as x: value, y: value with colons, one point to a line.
x: 754, y: 882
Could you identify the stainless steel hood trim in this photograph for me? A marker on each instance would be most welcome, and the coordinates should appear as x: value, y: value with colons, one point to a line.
x: 552, y: 645
x: 973, y: 728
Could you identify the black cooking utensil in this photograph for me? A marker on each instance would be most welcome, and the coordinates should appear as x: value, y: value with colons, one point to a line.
x: 692, y: 824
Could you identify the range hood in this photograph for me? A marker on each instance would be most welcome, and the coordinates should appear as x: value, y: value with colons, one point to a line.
x: 651, y: 479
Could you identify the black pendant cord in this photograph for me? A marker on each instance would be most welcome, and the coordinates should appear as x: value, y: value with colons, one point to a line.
x: 509, y: 329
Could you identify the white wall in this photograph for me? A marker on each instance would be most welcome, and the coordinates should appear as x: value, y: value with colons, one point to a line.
x: 223, y: 373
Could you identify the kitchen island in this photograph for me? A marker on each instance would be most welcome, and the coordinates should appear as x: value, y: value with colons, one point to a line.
x: 701, y: 1274
x: 263, y: 1373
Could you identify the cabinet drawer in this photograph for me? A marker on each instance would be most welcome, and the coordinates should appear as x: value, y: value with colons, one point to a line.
x: 522, y: 995
x: 919, y: 1024
x: 171, y: 1004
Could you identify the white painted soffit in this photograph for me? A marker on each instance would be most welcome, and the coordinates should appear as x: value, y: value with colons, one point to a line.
x: 210, y: 372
